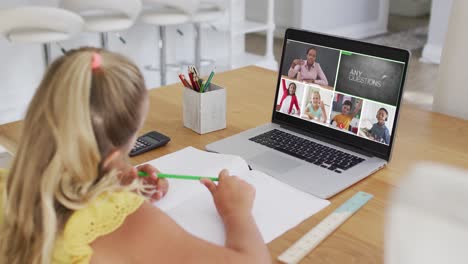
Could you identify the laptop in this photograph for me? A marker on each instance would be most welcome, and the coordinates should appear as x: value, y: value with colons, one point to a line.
x: 334, y: 116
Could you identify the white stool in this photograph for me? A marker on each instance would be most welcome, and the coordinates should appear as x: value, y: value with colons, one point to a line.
x: 163, y: 13
x: 208, y: 11
x: 37, y: 24
x: 105, y: 16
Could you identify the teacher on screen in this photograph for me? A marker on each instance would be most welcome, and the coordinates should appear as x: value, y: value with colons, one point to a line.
x: 308, y: 70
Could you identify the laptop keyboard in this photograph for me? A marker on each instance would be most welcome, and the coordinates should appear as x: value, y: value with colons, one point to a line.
x: 307, y: 150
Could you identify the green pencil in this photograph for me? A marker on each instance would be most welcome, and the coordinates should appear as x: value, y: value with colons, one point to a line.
x: 207, y: 83
x: 175, y: 176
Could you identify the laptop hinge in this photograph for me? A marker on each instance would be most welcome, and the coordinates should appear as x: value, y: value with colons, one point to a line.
x: 327, y: 140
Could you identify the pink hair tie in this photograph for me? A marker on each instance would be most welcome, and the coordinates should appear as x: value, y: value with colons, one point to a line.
x: 97, y: 61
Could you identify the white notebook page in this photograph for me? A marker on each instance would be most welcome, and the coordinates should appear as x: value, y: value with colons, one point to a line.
x: 277, y: 206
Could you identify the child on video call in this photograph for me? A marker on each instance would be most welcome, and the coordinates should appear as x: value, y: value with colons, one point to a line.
x: 344, y: 119
x: 315, y: 109
x: 379, y: 132
x: 71, y: 195
x: 289, y: 99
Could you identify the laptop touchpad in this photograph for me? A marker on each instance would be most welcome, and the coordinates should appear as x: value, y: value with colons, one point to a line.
x: 274, y: 162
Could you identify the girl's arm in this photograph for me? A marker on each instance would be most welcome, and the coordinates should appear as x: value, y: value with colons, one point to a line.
x: 285, y: 93
x: 283, y: 85
x: 281, y: 102
x: 295, y: 103
x: 308, y: 113
x: 151, y: 236
x: 291, y: 104
x: 324, y: 112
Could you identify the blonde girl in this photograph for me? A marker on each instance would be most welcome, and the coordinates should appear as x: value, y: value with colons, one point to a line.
x: 71, y: 196
x: 315, y: 109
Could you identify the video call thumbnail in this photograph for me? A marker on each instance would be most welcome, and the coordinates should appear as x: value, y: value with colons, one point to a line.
x: 290, y: 97
x: 317, y: 104
x: 370, y: 78
x: 377, y: 122
x: 346, y: 113
x: 310, y: 64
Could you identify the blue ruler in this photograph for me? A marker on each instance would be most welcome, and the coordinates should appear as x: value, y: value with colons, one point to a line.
x: 317, y: 234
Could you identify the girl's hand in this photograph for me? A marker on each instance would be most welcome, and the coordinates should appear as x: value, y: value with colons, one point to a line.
x: 161, y: 185
x: 322, y: 106
x: 232, y: 196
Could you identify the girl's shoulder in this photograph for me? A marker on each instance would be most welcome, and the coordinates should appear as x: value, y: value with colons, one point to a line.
x: 101, y: 216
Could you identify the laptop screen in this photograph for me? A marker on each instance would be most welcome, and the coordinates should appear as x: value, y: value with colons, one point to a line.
x: 340, y: 88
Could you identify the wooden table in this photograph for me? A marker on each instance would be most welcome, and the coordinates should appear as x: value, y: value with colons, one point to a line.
x: 421, y: 136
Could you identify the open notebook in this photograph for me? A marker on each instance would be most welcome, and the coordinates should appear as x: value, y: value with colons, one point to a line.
x: 277, y: 207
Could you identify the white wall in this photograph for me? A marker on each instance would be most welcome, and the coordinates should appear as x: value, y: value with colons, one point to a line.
x: 319, y: 15
x: 354, y: 19
x: 285, y: 13
x: 451, y: 96
x: 438, y: 24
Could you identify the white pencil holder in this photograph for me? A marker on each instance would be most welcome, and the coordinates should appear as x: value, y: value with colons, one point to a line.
x: 205, y: 112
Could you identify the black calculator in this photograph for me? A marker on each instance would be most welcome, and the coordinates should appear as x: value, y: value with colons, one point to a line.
x: 149, y: 141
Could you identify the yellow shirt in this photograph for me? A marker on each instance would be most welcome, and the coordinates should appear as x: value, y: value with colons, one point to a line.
x: 102, y: 216
x: 343, y: 121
